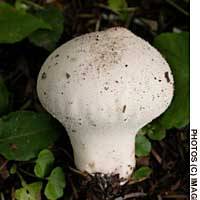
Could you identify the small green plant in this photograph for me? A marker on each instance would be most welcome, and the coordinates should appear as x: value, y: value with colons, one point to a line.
x: 141, y: 173
x: 56, y: 184
x: 120, y: 8
x: 117, y: 5
x: 54, y: 188
x: 44, y: 163
x: 52, y: 180
x: 142, y: 146
x: 29, y: 191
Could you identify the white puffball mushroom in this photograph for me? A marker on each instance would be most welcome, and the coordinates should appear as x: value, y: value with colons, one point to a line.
x: 104, y: 87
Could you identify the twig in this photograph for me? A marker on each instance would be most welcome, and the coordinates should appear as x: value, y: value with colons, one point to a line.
x: 134, y: 195
x: 28, y: 173
x: 105, y: 7
x: 17, y: 77
x: 159, y: 197
x: 86, y: 15
x: 13, y: 193
x: 74, y: 189
x: 156, y: 156
x: 3, y: 165
x: 66, y: 153
x: 176, y: 185
x: 172, y: 3
x: 131, y: 182
x: 78, y: 172
x: 175, y: 196
x: 26, y: 105
x: 130, y: 9
x: 34, y: 5
x: 128, y: 21
x: 98, y: 23
x: 2, y: 196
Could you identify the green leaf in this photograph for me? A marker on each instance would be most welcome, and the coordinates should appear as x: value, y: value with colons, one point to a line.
x: 29, y: 192
x: 49, y: 38
x: 142, y: 146
x: 117, y: 5
x: 23, y: 134
x: 16, y: 24
x: 56, y: 184
x: 175, y: 48
x: 13, y: 169
x: 155, y: 131
x: 4, y: 98
x: 44, y: 163
x: 20, y: 5
x: 142, y: 173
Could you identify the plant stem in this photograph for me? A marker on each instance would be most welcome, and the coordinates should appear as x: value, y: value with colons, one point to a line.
x: 3, y: 165
x: 37, y: 6
x: 2, y: 196
x: 172, y: 3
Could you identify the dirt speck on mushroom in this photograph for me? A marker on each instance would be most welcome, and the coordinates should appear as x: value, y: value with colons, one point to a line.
x: 44, y: 75
x: 68, y: 75
x: 124, y: 109
x: 167, y: 76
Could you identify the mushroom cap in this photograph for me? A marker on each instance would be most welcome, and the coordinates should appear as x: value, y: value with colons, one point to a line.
x: 109, y: 80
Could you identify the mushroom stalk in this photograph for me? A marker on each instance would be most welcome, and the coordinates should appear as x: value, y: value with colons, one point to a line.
x: 103, y: 87
x: 109, y: 150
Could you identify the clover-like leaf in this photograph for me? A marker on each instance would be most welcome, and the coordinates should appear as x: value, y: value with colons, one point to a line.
x: 24, y: 133
x: 175, y: 48
x: 29, y: 192
x: 155, y: 131
x: 56, y: 184
x: 117, y: 5
x: 142, y: 173
x: 142, y: 145
x: 44, y: 163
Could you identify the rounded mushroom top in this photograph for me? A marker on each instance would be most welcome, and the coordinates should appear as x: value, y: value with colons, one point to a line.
x: 109, y: 79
